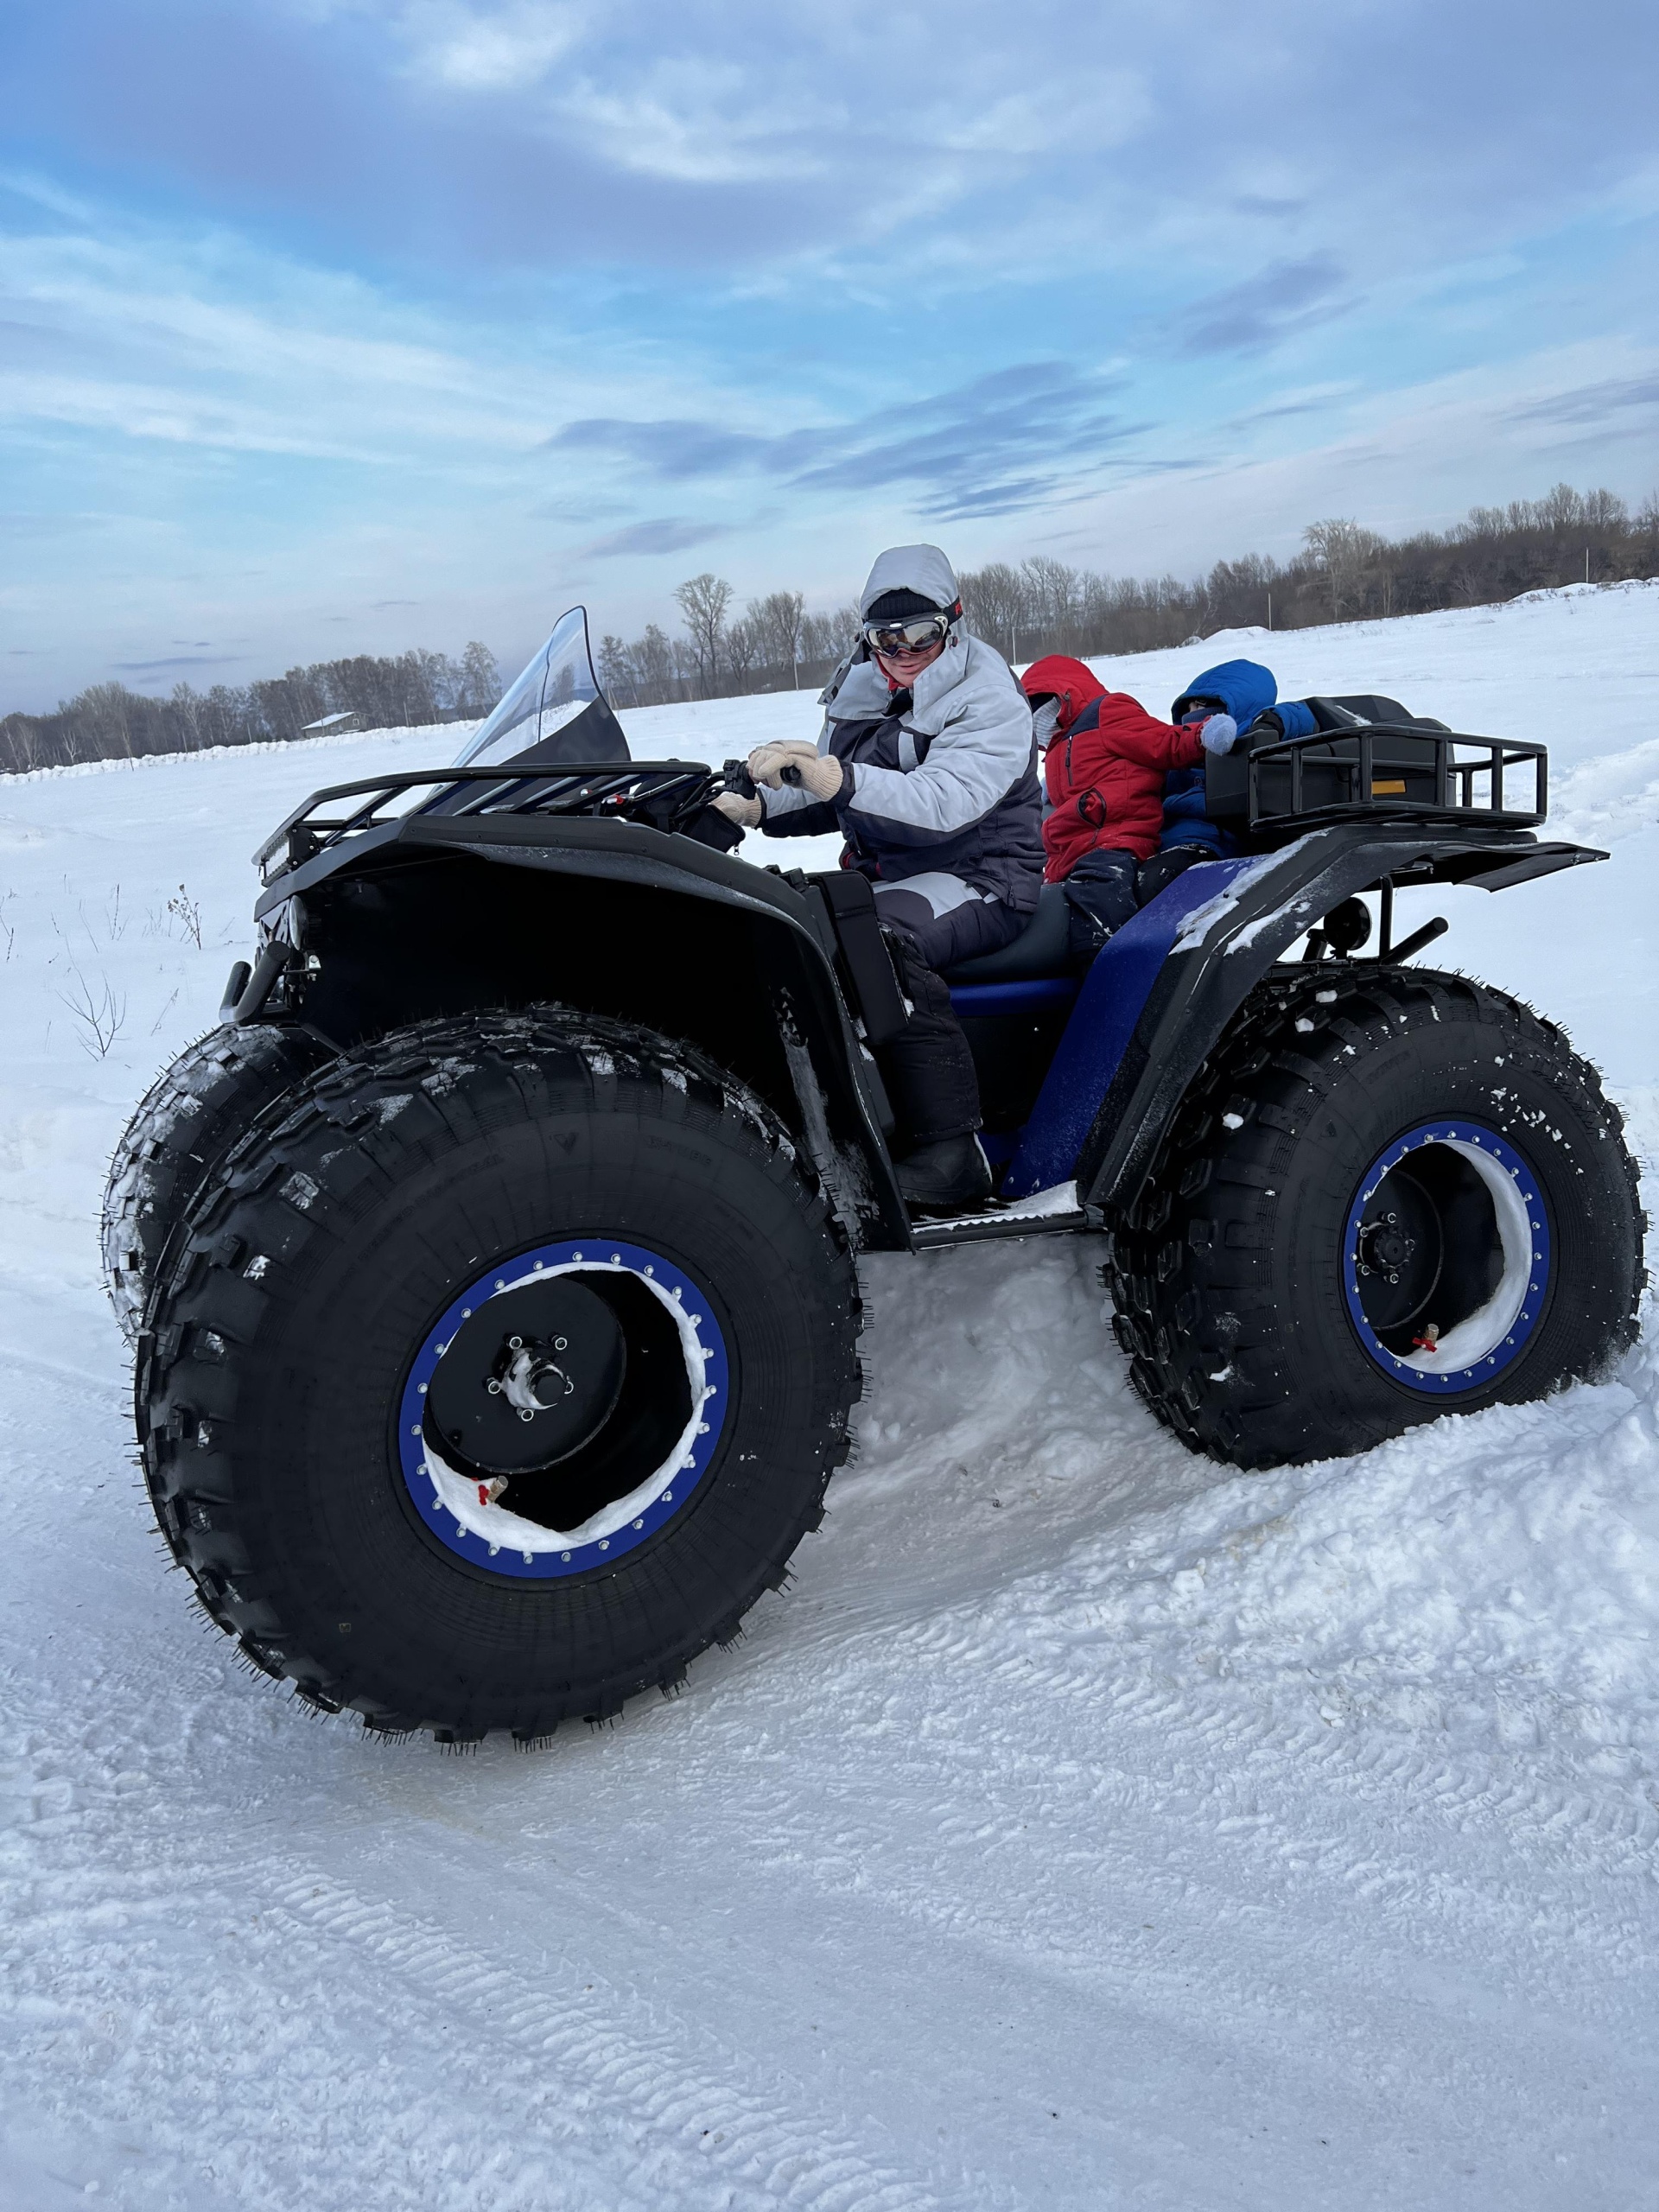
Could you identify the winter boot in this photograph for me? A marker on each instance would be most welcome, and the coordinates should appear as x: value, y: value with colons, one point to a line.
x: 952, y: 1176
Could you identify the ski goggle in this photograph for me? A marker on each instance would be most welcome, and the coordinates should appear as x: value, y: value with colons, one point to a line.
x: 911, y: 637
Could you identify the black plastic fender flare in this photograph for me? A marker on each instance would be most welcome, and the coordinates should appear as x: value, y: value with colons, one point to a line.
x: 827, y: 1058
x: 1225, y: 948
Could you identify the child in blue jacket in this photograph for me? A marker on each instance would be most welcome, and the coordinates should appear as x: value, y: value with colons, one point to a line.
x: 1247, y: 691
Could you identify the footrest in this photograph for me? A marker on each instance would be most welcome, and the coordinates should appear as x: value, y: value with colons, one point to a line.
x: 1047, y: 1213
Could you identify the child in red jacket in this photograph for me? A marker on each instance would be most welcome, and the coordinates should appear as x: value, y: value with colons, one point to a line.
x: 1106, y: 761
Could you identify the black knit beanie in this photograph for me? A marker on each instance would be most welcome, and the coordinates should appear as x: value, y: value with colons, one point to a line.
x: 899, y: 605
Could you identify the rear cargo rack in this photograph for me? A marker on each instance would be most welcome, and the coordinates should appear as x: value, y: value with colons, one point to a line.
x: 663, y: 791
x: 1393, y: 768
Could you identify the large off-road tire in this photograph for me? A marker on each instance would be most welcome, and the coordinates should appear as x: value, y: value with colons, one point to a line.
x: 559, y: 1255
x: 1389, y: 1195
x: 185, y: 1122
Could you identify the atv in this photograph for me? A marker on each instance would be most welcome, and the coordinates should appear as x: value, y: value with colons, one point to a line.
x: 492, y: 1266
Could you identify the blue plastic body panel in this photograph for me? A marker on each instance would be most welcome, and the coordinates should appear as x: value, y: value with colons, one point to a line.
x: 1030, y: 996
x: 1109, y: 1006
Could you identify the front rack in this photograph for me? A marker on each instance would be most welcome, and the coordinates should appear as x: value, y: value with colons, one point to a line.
x: 663, y: 792
x: 1390, y: 768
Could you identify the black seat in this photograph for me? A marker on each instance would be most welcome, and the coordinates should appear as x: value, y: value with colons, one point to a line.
x: 1038, y: 950
x: 1370, y: 706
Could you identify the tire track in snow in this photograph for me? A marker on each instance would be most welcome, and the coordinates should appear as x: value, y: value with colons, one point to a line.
x: 457, y: 2044
x: 682, y: 2115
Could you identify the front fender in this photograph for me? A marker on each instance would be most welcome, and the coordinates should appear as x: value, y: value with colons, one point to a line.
x: 442, y: 916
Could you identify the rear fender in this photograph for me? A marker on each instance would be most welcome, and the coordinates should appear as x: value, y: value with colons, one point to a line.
x: 1157, y: 999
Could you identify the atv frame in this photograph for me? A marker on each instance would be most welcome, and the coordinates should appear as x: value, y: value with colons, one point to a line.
x: 394, y: 900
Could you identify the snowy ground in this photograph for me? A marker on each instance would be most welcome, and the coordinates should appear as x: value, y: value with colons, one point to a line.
x: 1089, y: 1827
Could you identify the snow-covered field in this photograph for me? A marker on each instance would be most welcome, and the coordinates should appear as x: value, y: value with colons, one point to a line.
x: 1088, y: 1827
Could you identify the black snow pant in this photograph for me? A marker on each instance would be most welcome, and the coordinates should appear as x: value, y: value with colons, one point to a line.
x: 927, y: 1067
x: 1099, y: 898
x: 1162, y: 870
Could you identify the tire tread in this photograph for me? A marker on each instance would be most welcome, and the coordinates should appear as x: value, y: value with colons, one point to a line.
x: 277, y: 1192
x: 1186, y: 1275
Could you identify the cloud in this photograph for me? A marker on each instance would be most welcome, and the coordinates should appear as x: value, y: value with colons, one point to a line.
x: 667, y: 535
x: 734, y: 135
x: 1288, y: 297
x: 670, y: 451
x: 307, y: 283
x: 1004, y: 442
x: 1592, y: 403
x: 176, y: 660
x: 475, y: 50
x: 192, y: 338
x: 44, y: 526
x: 1317, y: 399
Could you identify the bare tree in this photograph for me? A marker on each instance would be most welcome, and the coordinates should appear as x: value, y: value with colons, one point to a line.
x: 743, y: 653
x: 1053, y: 598
x: 777, y: 623
x: 659, y: 664
x: 480, y: 680
x: 995, y: 604
x: 105, y: 707
x: 827, y: 638
x: 703, y: 601
x: 1345, y: 551
x: 616, y: 672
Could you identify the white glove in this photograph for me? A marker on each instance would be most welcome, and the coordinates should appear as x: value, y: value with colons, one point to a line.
x: 1218, y: 734
x: 746, y: 812
x: 1044, y: 719
x: 819, y: 772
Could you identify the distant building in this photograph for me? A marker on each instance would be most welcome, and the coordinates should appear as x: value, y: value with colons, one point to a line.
x: 332, y: 726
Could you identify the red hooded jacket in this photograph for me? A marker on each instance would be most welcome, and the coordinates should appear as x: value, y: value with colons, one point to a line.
x: 1104, y: 768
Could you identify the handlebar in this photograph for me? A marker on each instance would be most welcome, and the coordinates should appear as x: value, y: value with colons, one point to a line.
x: 736, y: 778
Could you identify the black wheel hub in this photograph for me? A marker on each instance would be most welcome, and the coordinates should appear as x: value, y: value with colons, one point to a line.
x: 1384, y: 1247
x: 1401, y: 1250
x: 529, y: 1378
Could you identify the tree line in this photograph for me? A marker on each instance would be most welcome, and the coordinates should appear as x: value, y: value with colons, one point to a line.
x: 1342, y: 572
x: 107, y: 721
x: 773, y: 646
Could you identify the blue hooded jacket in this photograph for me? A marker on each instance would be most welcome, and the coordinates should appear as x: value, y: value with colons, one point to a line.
x: 1244, y: 689
x: 1295, y: 718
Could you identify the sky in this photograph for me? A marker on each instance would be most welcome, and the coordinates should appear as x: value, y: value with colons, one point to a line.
x: 337, y: 326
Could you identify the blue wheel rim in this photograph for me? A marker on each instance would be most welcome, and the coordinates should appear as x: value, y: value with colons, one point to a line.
x: 480, y: 1536
x: 1529, y: 1224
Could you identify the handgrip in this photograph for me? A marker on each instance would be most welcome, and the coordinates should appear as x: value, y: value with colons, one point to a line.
x: 791, y: 775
